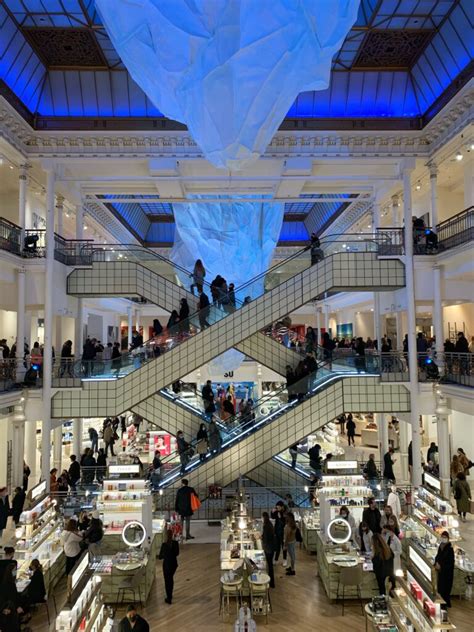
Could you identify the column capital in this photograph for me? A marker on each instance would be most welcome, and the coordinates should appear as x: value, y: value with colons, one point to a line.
x: 60, y: 200
x: 433, y: 169
x: 395, y: 199
x: 24, y: 171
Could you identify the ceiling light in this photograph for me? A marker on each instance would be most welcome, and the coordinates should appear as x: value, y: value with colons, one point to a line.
x: 369, y: 226
x: 459, y: 156
x: 418, y: 186
x: 472, y: 146
x: 85, y: 227
x: 11, y: 166
x: 1, y: 161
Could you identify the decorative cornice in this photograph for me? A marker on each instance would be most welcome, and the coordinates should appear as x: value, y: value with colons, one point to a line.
x: 161, y: 143
x: 351, y: 215
x: 106, y: 219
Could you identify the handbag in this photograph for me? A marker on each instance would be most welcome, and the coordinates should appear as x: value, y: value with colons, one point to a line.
x: 195, y: 502
x: 298, y: 536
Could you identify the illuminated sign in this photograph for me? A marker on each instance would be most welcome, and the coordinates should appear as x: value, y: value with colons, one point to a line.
x: 124, y: 469
x: 432, y: 481
x: 38, y: 490
x: 341, y: 465
x: 420, y: 563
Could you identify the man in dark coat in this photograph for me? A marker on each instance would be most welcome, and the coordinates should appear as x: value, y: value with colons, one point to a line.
x: 74, y: 471
x: 4, y: 509
x: 372, y: 516
x: 388, y: 463
x: 183, y: 506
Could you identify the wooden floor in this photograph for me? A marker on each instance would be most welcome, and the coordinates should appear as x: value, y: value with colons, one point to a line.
x: 299, y: 602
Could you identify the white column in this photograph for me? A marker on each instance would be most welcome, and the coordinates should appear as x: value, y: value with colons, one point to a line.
x: 60, y: 214
x: 438, y: 312
x: 404, y: 438
x: 20, y: 323
x: 77, y: 437
x: 130, y: 324
x: 23, y: 188
x: 442, y: 417
x: 58, y: 446
x: 411, y: 329
x: 400, y: 334
x: 31, y: 449
x: 79, y: 325
x: 18, y: 445
x: 434, y: 196
x: 137, y: 320
x: 468, y: 181
x: 326, y: 318
x: 48, y: 328
x: 318, y: 323
x: 395, y: 221
x: 375, y: 225
x: 382, y: 427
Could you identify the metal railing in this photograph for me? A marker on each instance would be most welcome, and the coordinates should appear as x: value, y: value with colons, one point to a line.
x: 450, y: 368
x: 70, y: 252
x: 17, y: 373
x: 456, y: 230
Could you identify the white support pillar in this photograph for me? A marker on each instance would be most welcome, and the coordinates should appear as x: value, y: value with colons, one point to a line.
x: 395, y: 220
x: 137, y: 319
x: 31, y: 450
x: 382, y: 427
x: 434, y: 197
x: 23, y: 188
x: 318, y: 323
x: 404, y: 438
x: 20, y: 323
x: 77, y: 437
x: 411, y: 329
x: 326, y: 318
x: 48, y: 328
x: 444, y: 451
x: 130, y: 324
x: 18, y: 446
x: 79, y: 325
x: 468, y: 181
x: 399, y: 325
x: 59, y: 215
x: 58, y: 447
x: 438, y: 312
x: 376, y: 212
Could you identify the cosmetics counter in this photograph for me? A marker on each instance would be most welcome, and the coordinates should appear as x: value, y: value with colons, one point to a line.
x: 84, y: 608
x: 241, y: 555
x: 309, y: 524
x: 38, y: 536
x: 432, y: 514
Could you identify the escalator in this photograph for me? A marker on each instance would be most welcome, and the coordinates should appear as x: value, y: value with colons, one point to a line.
x: 207, y: 334
x: 284, y: 418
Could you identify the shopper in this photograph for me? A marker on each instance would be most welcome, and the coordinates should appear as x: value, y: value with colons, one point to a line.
x: 432, y: 454
x: 293, y: 450
x: 66, y: 359
x: 8, y: 558
x: 268, y: 544
x: 394, y: 501
x: 365, y: 538
x: 53, y: 480
x: 371, y: 473
x: 290, y: 503
x: 346, y: 515
x: 278, y: 514
x: 94, y: 437
x: 388, y: 464
x: 204, y: 308
x: 386, y: 513
x: 184, y: 450
x: 8, y: 590
x: 228, y: 410
x: 133, y: 622
x: 372, y: 516
x: 393, y: 541
x: 109, y: 439
x: 289, y: 542
x: 183, y: 506
x: 208, y: 398
x: 101, y: 465
x: 198, y: 275
x: 17, y: 504
x: 382, y: 560
x: 462, y: 495
x: 444, y: 564
x: 74, y: 472
x: 202, y: 444
x: 35, y: 592
x: 315, y: 460
x: 94, y: 534
x: 4, y: 509
x: 464, y: 461
x: 351, y: 429
x: 116, y: 358
x: 169, y: 554
x: 455, y: 467
x: 26, y: 476
x: 183, y: 324
x: 9, y: 618
x: 71, y: 540
x: 215, y: 439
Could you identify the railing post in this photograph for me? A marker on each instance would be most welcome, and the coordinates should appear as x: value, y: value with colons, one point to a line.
x: 434, y: 196
x: 23, y: 187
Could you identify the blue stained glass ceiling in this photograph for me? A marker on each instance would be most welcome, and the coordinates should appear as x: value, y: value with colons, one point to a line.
x: 398, y: 60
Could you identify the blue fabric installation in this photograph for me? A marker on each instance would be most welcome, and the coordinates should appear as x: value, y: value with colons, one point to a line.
x: 229, y: 69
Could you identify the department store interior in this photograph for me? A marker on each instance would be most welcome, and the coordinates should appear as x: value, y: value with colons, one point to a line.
x: 236, y: 333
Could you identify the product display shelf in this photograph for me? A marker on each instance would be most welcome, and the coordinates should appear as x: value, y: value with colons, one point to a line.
x: 123, y: 500
x: 435, y: 514
x: 37, y: 536
x: 413, y: 611
x: 329, y: 571
x: 309, y: 526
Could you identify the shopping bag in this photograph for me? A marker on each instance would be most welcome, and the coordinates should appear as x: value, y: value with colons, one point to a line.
x: 195, y: 502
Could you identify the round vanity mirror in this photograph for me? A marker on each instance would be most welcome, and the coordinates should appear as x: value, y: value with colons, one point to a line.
x: 134, y: 533
x: 339, y: 531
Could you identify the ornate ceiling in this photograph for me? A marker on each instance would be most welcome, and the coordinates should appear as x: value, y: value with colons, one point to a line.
x: 399, y: 64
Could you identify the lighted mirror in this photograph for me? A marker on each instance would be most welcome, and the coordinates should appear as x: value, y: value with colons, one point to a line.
x: 339, y: 531
x: 134, y: 533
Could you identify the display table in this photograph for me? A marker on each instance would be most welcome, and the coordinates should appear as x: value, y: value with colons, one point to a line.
x: 370, y: 437
x: 114, y: 575
x: 309, y: 526
x: 330, y: 569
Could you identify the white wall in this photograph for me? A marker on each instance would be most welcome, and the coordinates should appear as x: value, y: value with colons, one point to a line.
x: 461, y: 434
x: 461, y: 316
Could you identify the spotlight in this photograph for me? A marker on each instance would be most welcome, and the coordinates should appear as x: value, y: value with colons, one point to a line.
x: 418, y: 186
x: 399, y: 572
x: 85, y: 227
x: 306, y: 488
x: 459, y: 156
x: 471, y: 146
x: 455, y: 524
